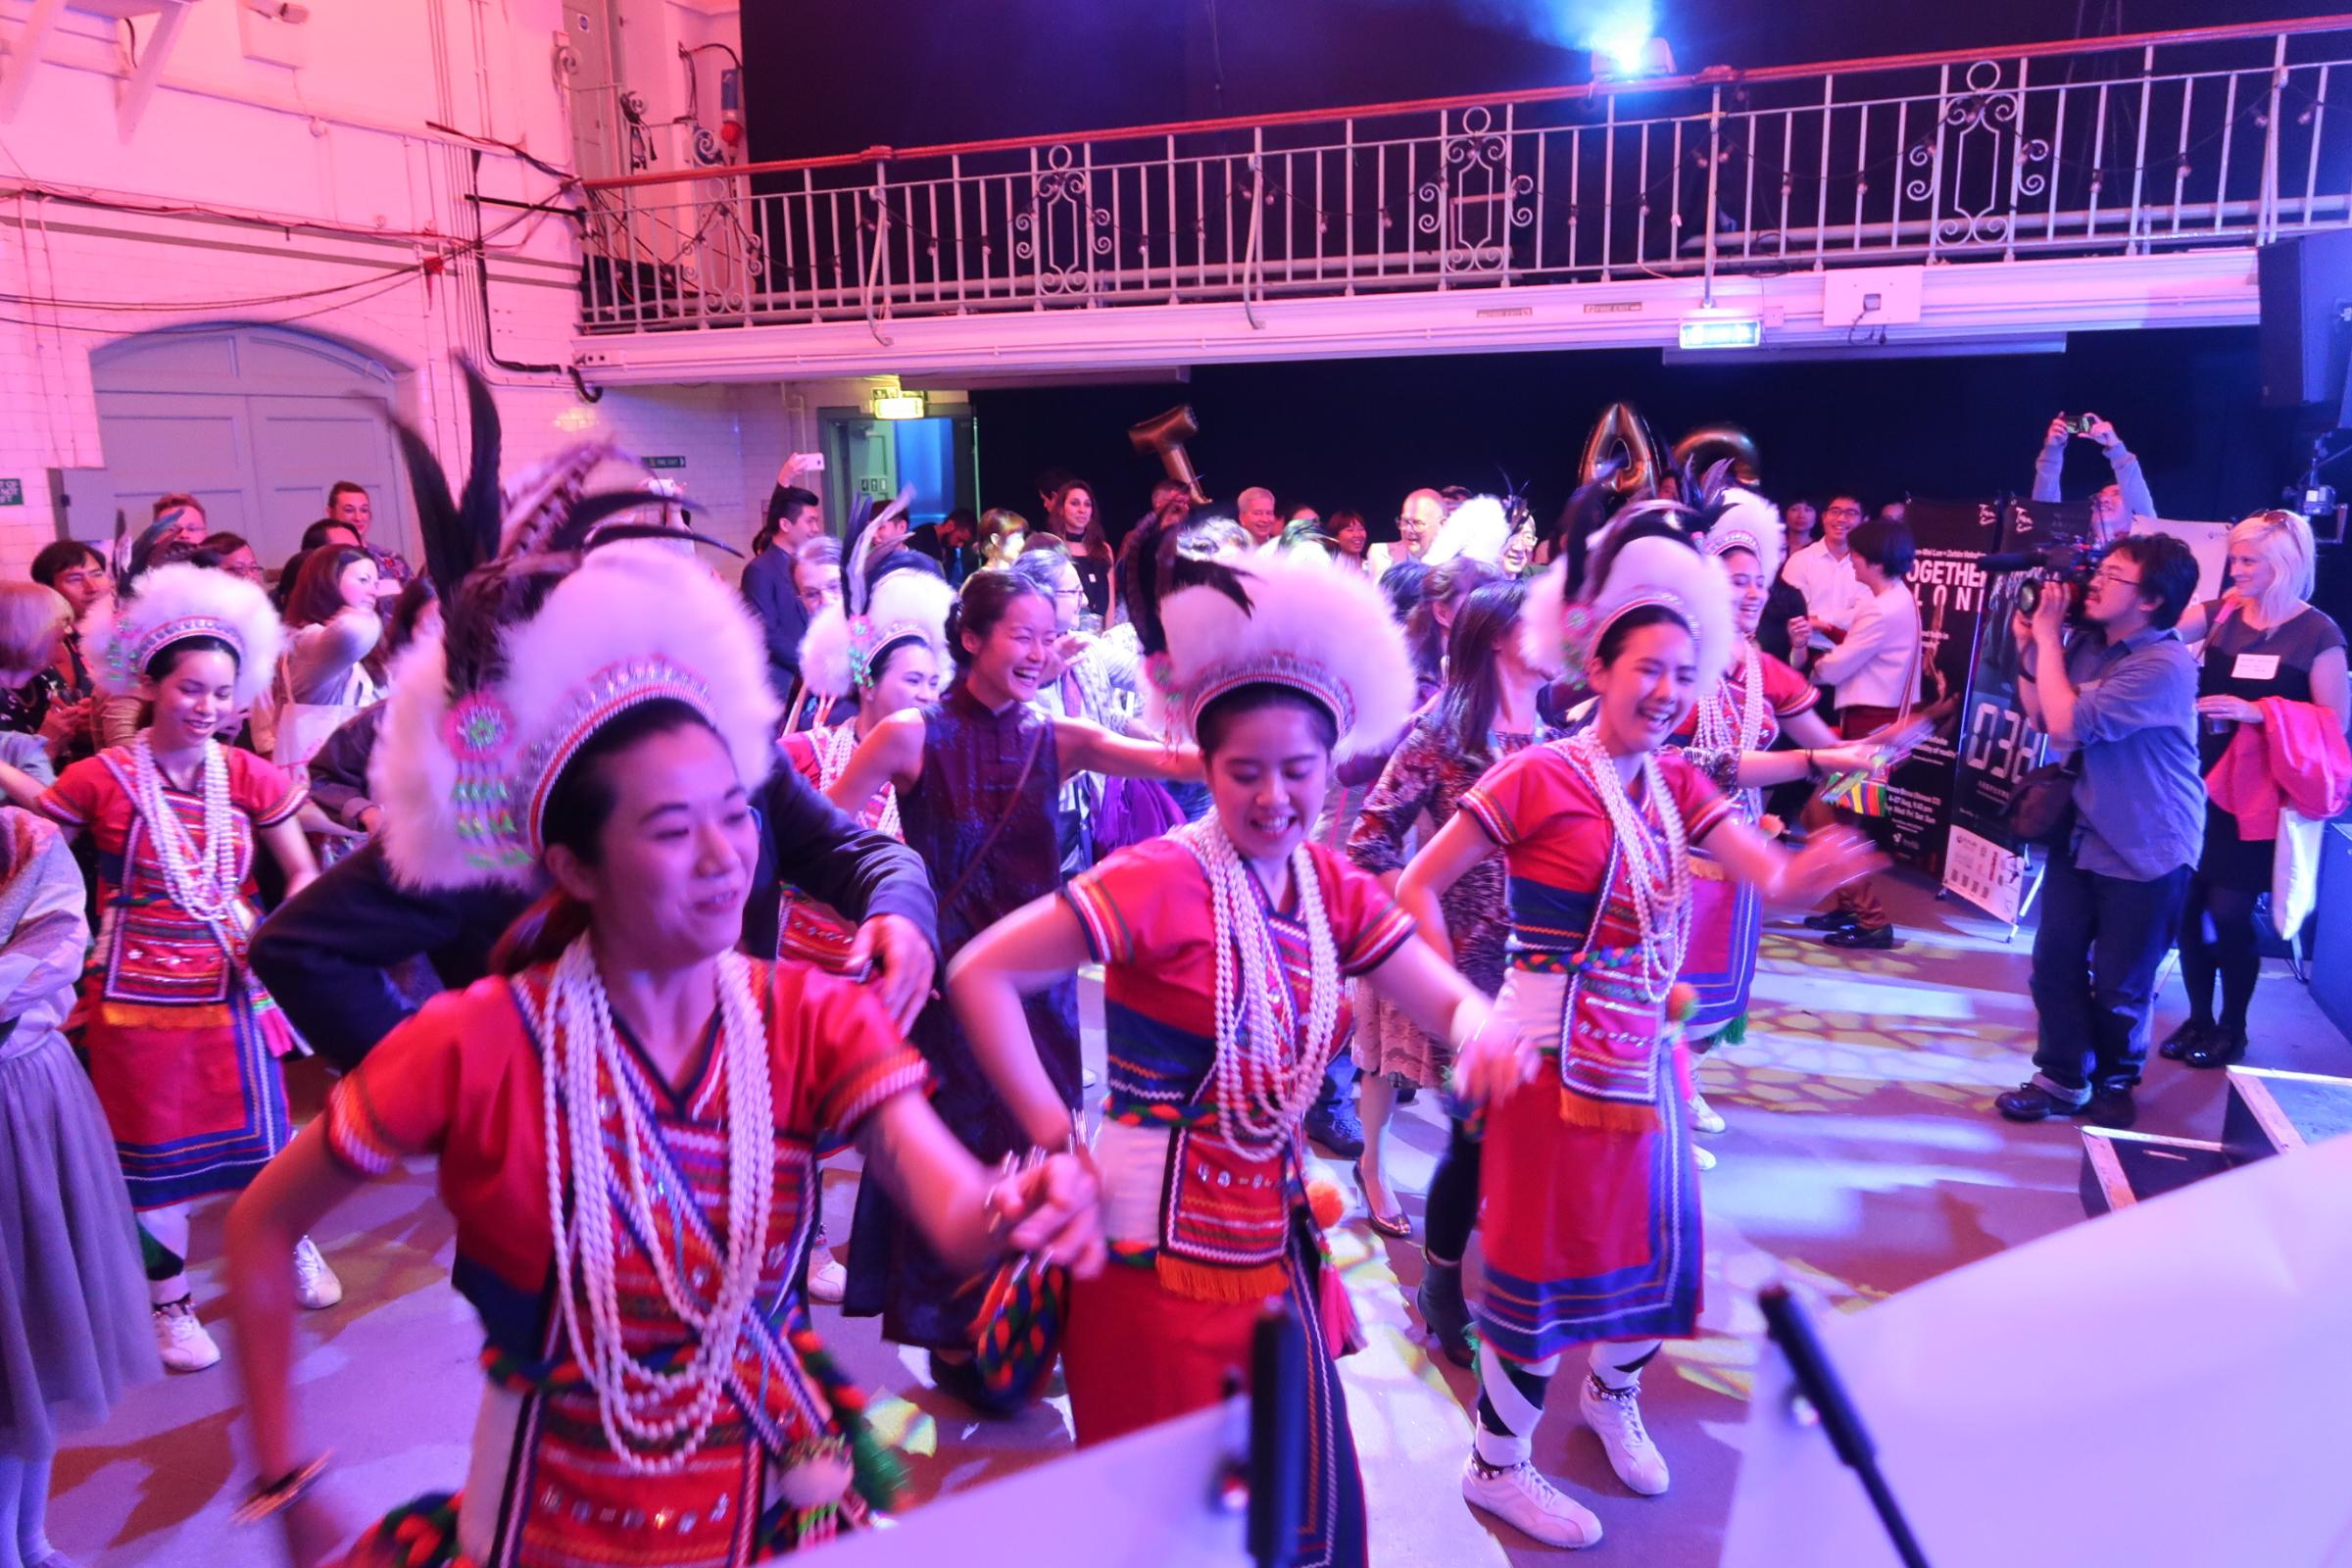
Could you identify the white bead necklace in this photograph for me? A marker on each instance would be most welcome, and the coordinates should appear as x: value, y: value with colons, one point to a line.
x: 1269, y: 1068
x: 202, y: 881
x: 1657, y: 880
x: 833, y: 755
x: 672, y: 1410
x: 1719, y: 729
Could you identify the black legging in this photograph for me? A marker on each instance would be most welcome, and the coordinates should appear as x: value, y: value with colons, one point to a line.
x: 2218, y: 937
x: 1452, y: 1211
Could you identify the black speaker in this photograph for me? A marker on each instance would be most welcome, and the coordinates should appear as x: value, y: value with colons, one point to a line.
x: 2306, y: 287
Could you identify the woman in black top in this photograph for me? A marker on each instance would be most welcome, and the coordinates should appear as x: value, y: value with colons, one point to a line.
x: 1071, y: 517
x: 2262, y: 639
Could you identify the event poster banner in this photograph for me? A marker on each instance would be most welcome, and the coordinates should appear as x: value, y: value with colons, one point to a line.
x: 1947, y: 573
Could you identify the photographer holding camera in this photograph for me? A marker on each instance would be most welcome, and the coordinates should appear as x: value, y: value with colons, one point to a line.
x: 2114, y: 506
x: 2121, y: 695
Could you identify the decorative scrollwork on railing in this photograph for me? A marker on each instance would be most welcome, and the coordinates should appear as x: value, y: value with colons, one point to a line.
x: 1061, y: 231
x: 1474, y: 201
x: 1978, y: 160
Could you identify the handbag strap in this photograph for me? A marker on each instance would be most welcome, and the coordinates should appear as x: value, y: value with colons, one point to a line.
x: 1013, y: 804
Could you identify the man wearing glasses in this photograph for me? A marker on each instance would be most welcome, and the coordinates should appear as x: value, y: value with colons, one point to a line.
x: 2122, y: 697
x: 1824, y: 572
x: 1417, y: 523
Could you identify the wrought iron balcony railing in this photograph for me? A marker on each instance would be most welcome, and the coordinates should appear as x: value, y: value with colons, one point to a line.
x: 2137, y: 145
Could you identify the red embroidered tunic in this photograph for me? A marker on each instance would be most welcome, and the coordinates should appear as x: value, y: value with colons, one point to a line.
x: 183, y: 1045
x: 460, y: 1082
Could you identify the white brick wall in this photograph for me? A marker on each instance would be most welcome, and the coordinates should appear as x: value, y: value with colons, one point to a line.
x: 321, y: 176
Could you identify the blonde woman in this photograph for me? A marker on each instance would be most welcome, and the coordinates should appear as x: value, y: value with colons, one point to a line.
x: 2263, y: 639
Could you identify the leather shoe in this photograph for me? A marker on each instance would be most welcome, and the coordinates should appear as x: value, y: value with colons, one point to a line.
x: 1830, y: 920
x: 2111, y: 1107
x: 2219, y: 1048
x: 2029, y: 1101
x: 1863, y: 938
x: 1336, y: 1128
x: 2184, y: 1040
x: 1445, y: 1313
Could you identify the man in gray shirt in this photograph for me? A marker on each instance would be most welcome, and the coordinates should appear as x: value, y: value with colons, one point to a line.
x: 2121, y: 695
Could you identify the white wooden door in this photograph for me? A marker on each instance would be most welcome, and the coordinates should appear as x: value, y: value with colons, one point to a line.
x: 255, y: 422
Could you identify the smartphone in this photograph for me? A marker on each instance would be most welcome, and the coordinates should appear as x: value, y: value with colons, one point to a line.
x: 816, y: 462
x: 2081, y: 423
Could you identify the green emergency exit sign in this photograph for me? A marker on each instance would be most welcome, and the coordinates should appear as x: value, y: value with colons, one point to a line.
x: 12, y: 492
x: 665, y: 463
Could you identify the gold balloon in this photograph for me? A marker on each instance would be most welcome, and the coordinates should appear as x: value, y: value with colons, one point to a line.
x: 1620, y: 430
x: 1703, y: 447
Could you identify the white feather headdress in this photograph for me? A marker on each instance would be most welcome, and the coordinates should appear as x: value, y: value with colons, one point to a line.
x: 1479, y: 528
x: 841, y: 650
x: 1746, y: 521
x: 171, y: 604
x: 1311, y: 625
x: 1649, y: 571
x: 465, y: 777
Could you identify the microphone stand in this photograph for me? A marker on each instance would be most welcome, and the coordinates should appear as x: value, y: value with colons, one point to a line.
x: 1817, y: 1381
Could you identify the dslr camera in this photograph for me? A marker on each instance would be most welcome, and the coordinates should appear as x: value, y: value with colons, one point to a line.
x: 2066, y: 564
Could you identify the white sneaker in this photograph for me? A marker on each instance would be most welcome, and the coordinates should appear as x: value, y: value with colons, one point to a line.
x: 1704, y: 1119
x: 315, y: 1284
x: 1522, y: 1498
x: 1615, y: 1417
x: 828, y: 1280
x: 180, y: 1340
x: 1702, y: 1156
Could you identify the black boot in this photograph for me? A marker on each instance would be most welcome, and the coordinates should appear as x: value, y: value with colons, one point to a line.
x: 1443, y: 1311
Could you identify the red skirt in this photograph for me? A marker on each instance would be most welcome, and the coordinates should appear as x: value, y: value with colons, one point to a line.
x: 1590, y: 1233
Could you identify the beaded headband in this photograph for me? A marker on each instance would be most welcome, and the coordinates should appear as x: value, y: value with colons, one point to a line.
x: 131, y: 656
x: 479, y: 731
x: 1273, y: 669
x: 175, y: 604
x: 871, y: 646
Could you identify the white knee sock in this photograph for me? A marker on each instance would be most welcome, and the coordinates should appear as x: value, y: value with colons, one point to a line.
x: 1618, y: 1363
x: 1510, y: 1403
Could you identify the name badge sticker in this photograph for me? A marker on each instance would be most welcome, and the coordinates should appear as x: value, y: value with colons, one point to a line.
x: 2255, y: 667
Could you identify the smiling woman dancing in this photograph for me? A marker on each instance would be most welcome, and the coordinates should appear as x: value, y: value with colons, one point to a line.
x: 976, y: 776
x: 625, y: 1116
x: 1590, y: 1202
x: 1224, y: 945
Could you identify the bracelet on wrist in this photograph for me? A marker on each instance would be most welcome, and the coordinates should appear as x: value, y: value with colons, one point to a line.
x: 268, y: 1498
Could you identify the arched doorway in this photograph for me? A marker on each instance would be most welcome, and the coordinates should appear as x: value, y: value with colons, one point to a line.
x: 255, y: 422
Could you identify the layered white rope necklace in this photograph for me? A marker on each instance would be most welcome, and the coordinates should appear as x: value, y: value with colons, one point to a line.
x: 1719, y: 731
x: 833, y: 759
x: 1269, y: 1067
x: 1657, y: 878
x: 202, y: 881
x: 669, y: 1410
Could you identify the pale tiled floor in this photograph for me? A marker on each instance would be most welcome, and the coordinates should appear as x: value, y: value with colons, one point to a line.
x: 1862, y: 1154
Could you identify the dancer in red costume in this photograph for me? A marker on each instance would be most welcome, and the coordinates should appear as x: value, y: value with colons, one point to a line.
x: 1590, y: 1197
x: 1224, y: 948
x: 628, y: 1109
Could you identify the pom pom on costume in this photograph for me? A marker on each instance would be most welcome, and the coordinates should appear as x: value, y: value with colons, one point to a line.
x: 1324, y: 1198
x: 842, y: 652
x: 174, y: 602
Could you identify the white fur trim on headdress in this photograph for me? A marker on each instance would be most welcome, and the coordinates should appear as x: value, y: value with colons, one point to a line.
x: 1748, y: 521
x: 839, y: 651
x: 183, y: 600
x: 1479, y: 528
x: 1319, y: 628
x: 464, y: 784
x: 1649, y: 571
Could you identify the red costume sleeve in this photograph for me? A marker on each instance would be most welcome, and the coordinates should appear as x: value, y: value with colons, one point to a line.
x: 79, y: 793
x: 1366, y: 924
x: 835, y: 1056
x: 263, y: 791
x: 1123, y: 902
x: 1787, y: 692
x: 1516, y: 797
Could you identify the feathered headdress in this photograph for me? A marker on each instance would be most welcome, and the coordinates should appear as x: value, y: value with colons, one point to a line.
x: 549, y: 631
x: 1479, y: 528
x: 174, y: 602
x: 470, y: 752
x: 1742, y: 520
x: 1207, y: 629
x: 1652, y: 570
x: 842, y: 652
